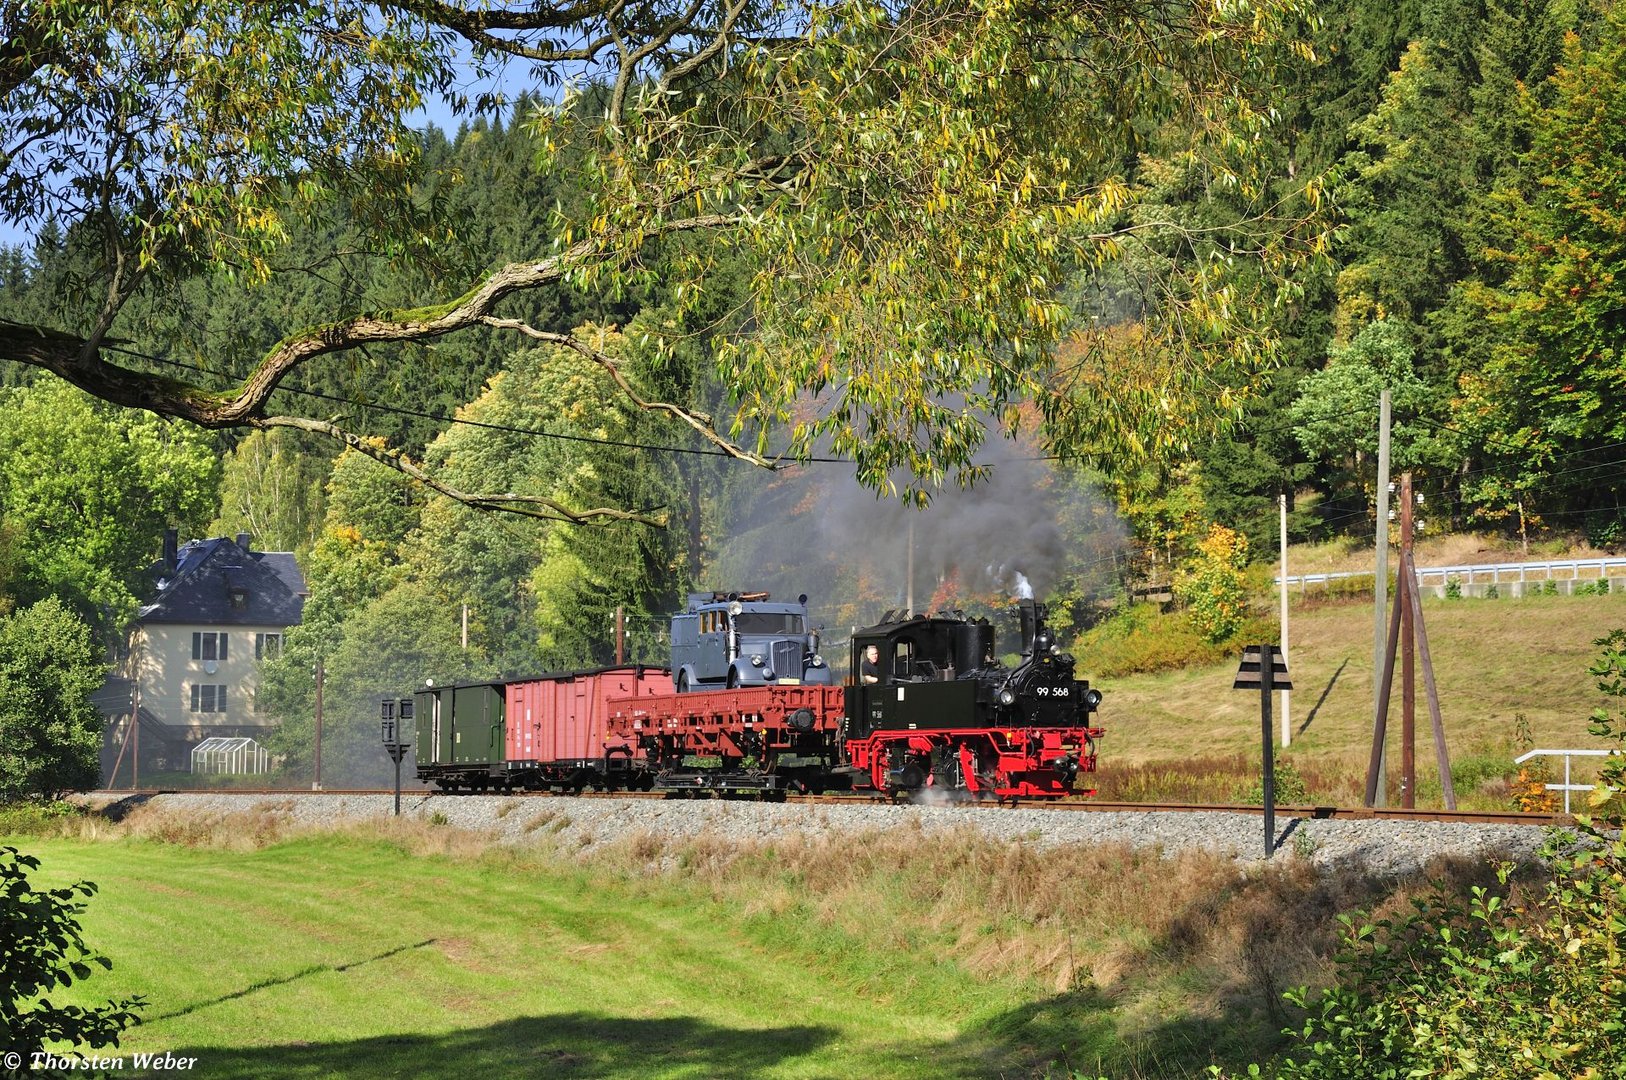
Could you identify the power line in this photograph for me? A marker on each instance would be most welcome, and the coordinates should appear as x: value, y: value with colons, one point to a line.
x: 401, y: 410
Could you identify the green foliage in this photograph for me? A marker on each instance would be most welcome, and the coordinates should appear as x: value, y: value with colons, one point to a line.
x: 272, y: 488
x: 1592, y: 588
x: 1492, y: 592
x: 1453, y: 588
x: 42, y: 952
x: 89, y: 490
x: 1336, y: 414
x: 1211, y: 584
x: 1288, y: 783
x: 227, y: 121
x: 1497, y: 983
x: 50, y: 733
x: 1141, y: 638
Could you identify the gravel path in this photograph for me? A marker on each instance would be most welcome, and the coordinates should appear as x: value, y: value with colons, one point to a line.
x: 1383, y: 847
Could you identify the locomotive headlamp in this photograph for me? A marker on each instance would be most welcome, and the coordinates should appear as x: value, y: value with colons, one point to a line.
x: 756, y: 659
x: 818, y: 661
x: 1055, y: 650
x: 1092, y: 698
x: 1007, y: 697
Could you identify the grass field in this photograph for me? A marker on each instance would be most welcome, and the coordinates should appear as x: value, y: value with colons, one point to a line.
x: 407, y: 951
x: 1493, y: 660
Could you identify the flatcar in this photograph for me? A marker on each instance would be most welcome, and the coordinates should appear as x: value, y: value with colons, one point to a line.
x: 935, y: 711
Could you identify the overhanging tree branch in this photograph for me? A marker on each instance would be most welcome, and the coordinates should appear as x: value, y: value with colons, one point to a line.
x: 699, y: 421
x: 536, y: 506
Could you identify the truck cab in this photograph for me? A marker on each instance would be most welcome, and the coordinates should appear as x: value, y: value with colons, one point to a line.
x: 744, y: 639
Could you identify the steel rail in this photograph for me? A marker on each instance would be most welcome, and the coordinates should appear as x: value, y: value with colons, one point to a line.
x: 1318, y: 813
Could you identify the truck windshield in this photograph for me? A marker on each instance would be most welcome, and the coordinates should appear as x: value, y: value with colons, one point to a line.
x: 769, y: 622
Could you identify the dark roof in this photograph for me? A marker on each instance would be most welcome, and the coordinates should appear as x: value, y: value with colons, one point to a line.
x: 208, y: 571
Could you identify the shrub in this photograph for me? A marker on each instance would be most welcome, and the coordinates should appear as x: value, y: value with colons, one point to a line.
x: 1453, y: 588
x: 1141, y: 638
x: 1211, y: 584
x: 1290, y: 786
x: 1499, y: 983
x: 1549, y: 588
x: 50, y: 733
x: 43, y: 952
x: 1492, y: 592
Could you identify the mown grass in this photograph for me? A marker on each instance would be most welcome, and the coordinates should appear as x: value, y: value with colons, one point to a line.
x: 1493, y: 660
x: 391, y: 949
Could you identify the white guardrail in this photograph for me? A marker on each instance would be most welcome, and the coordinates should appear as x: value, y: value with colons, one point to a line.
x: 1496, y: 573
x: 1566, y: 787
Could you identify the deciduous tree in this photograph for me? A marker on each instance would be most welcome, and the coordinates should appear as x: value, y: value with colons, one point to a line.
x: 50, y: 733
x: 909, y: 185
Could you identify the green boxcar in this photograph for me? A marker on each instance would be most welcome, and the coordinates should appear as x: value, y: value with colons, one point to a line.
x: 460, y: 728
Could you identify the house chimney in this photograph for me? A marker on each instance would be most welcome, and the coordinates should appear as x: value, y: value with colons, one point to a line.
x: 243, y: 541
x: 171, y: 541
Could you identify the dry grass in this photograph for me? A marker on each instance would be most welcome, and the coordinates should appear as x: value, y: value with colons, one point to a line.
x: 1130, y: 924
x: 1347, y: 554
x: 1179, y: 953
x: 1493, y: 659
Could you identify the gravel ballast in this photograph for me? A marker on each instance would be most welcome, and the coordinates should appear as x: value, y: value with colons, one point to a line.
x: 1380, y: 847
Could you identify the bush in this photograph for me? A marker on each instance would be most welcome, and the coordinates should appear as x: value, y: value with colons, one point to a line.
x: 1290, y: 786
x: 1549, y: 588
x: 1492, y: 592
x: 1499, y: 983
x: 1211, y: 584
x: 1453, y: 588
x: 50, y: 733
x: 1141, y: 639
x: 43, y: 952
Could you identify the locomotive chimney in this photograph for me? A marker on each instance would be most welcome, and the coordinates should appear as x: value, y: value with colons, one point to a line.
x: 1028, y: 611
x: 172, y: 539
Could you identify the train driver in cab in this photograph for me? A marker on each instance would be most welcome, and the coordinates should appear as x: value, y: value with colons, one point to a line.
x: 869, y: 669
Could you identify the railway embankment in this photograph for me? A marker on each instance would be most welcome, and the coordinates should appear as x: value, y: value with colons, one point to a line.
x: 1380, y: 847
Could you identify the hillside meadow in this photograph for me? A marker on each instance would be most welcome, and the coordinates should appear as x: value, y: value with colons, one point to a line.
x: 1495, y: 661
x: 390, y: 949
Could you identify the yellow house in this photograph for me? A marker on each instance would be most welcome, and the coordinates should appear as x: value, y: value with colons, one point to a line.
x: 220, y: 610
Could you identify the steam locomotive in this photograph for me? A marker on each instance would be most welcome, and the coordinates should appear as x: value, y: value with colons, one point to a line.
x: 937, y: 713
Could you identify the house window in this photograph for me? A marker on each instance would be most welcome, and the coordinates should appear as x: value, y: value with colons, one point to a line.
x: 208, y: 697
x: 209, y: 646
x: 267, y: 646
x: 239, y: 598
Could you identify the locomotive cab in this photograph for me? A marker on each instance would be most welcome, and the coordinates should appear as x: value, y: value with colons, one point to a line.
x: 926, y: 667
x: 935, y: 671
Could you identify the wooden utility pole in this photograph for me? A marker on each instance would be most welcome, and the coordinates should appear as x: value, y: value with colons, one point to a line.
x: 1408, y: 658
x: 1380, y: 596
x: 135, y: 733
x: 620, y: 635
x: 1287, y: 693
x: 321, y: 672
x: 1406, y: 621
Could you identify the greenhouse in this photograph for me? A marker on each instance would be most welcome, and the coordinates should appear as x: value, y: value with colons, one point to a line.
x: 230, y: 755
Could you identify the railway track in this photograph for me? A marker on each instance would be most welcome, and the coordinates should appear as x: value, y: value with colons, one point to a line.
x: 1329, y: 813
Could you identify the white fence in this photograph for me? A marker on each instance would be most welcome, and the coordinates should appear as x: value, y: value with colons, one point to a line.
x: 1489, y: 573
x: 1566, y: 787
